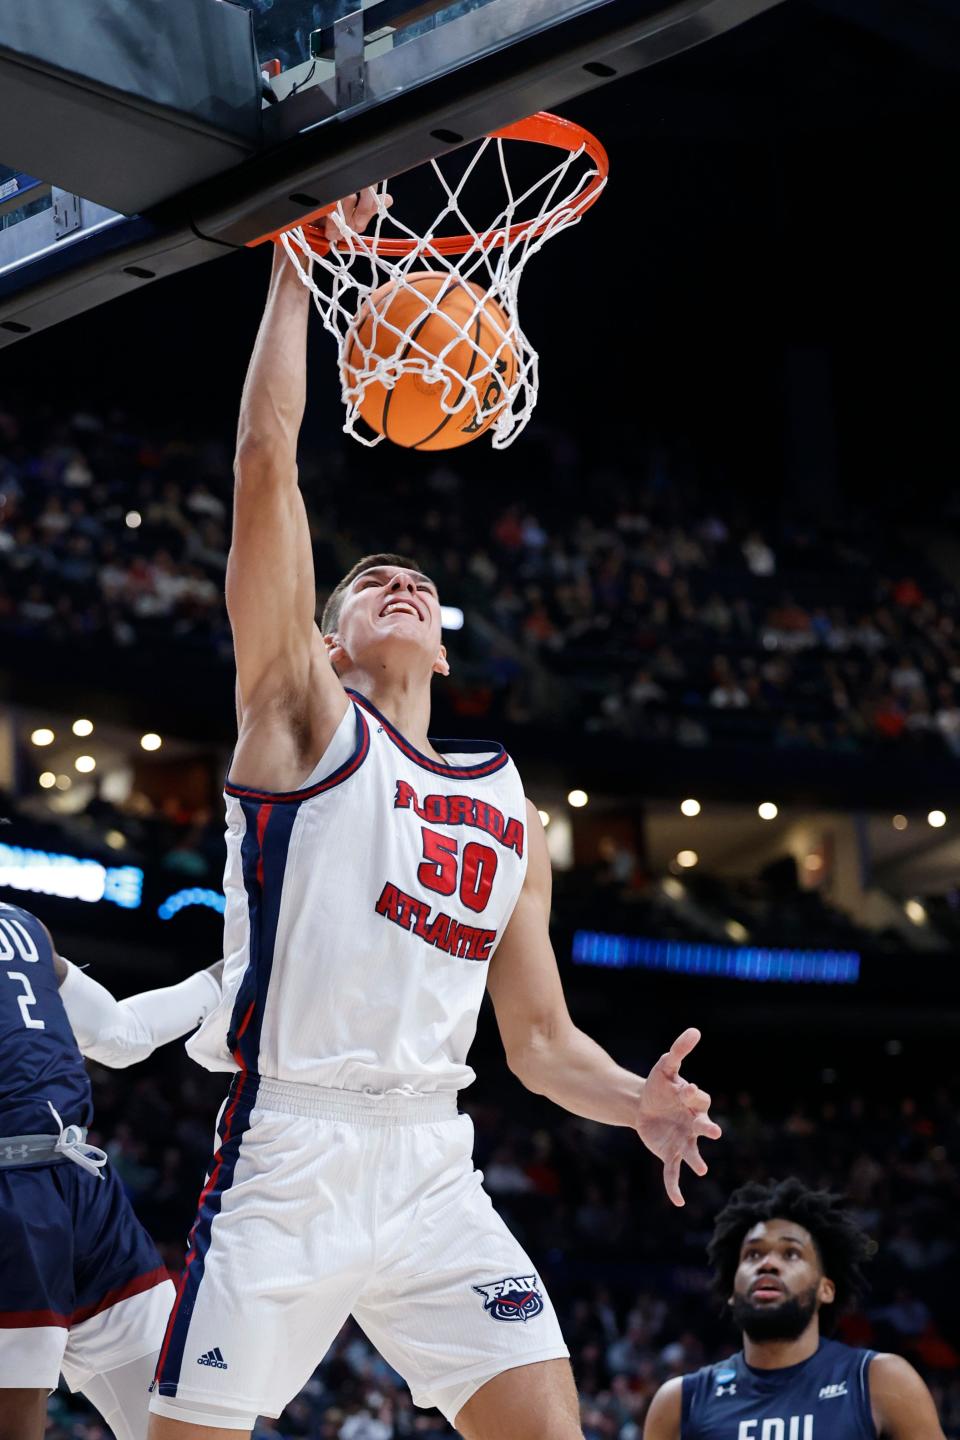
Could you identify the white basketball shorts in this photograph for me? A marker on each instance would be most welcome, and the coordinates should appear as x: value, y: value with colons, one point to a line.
x: 323, y: 1203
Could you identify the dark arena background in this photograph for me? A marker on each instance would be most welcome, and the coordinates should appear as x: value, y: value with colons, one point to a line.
x: 710, y: 601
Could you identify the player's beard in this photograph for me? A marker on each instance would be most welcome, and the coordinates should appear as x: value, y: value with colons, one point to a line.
x: 786, y: 1321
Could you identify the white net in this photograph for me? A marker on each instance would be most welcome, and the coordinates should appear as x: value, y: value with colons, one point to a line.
x: 476, y: 367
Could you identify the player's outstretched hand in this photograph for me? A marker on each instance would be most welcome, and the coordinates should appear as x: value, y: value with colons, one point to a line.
x: 673, y: 1117
x: 356, y: 210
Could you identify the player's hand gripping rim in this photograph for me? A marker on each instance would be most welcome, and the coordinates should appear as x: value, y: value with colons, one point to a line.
x: 673, y: 1116
x: 354, y: 212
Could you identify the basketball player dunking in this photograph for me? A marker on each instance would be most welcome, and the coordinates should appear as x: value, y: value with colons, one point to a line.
x: 376, y: 882
x: 787, y: 1260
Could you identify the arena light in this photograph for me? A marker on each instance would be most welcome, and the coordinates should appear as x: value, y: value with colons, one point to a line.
x: 115, y: 839
x: 899, y: 822
x: 741, y: 962
x: 150, y: 741
x: 69, y: 877
x: 85, y: 764
x: 544, y: 818
x: 690, y: 807
x: 577, y: 798
x: 916, y: 911
x: 686, y: 859
x: 82, y: 728
x: 451, y: 617
x: 672, y: 888
x: 47, y: 780
x: 133, y: 519
x: 183, y: 899
x: 767, y: 810
x: 63, y: 782
x: 736, y: 931
x: 937, y: 819
x: 42, y: 736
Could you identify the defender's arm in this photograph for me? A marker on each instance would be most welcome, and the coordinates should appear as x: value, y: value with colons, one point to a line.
x: 121, y: 1032
x: 903, y: 1407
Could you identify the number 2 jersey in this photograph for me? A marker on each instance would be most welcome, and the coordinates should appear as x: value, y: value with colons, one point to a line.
x: 362, y: 911
x: 39, y: 1058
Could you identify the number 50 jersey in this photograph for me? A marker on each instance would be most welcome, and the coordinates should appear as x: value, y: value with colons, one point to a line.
x: 362, y: 912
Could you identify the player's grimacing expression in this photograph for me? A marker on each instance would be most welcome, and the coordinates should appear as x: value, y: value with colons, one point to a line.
x: 779, y: 1261
x: 388, y: 603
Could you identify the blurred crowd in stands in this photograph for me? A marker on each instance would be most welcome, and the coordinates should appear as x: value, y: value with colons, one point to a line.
x: 620, y: 601
x: 628, y: 605
x: 626, y: 1270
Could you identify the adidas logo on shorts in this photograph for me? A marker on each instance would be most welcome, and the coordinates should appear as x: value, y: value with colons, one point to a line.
x: 214, y: 1358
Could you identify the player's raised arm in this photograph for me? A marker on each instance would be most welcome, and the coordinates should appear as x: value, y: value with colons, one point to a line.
x: 271, y: 595
x: 552, y: 1057
x: 271, y: 592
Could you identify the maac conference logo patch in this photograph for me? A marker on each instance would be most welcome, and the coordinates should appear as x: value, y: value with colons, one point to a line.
x: 516, y: 1297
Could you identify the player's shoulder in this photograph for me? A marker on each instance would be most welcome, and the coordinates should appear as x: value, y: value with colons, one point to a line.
x: 19, y: 916
x: 885, y: 1368
x: 665, y: 1416
x: 900, y: 1401
x: 16, y: 912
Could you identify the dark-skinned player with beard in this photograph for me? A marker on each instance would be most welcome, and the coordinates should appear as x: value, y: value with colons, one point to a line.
x: 787, y: 1261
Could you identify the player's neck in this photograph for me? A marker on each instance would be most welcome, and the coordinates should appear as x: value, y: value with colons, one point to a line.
x: 403, y: 699
x: 778, y: 1354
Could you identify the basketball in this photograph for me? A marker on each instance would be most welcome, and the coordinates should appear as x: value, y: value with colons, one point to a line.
x: 432, y: 311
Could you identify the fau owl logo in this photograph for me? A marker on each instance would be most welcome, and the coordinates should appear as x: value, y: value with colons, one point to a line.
x: 516, y: 1297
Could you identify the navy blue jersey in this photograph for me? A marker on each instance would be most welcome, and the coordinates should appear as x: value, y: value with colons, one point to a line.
x: 824, y: 1398
x: 39, y: 1059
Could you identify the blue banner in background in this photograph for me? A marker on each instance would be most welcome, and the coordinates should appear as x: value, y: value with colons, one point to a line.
x: 733, y: 962
x: 70, y: 877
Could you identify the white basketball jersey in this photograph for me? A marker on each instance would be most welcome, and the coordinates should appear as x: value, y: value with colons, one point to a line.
x: 362, y: 912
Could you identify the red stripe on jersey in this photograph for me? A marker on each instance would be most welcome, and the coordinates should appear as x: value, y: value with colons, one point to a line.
x: 263, y: 817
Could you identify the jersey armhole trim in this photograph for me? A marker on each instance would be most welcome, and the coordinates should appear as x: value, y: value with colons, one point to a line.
x: 687, y: 1385
x: 336, y: 777
x: 865, y: 1361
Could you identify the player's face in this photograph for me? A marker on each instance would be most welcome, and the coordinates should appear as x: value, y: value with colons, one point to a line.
x: 779, y: 1285
x: 389, y: 605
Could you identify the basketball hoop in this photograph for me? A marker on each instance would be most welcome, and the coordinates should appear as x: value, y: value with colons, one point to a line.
x: 391, y: 257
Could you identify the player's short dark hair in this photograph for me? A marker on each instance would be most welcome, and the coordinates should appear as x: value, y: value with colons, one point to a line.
x: 842, y: 1246
x: 331, y: 611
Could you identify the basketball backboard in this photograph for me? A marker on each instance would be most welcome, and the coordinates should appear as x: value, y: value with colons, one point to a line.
x: 341, y: 94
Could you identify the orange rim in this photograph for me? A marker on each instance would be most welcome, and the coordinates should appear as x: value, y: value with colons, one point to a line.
x: 540, y: 129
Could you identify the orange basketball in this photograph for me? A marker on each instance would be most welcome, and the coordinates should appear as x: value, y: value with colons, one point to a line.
x: 411, y: 413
